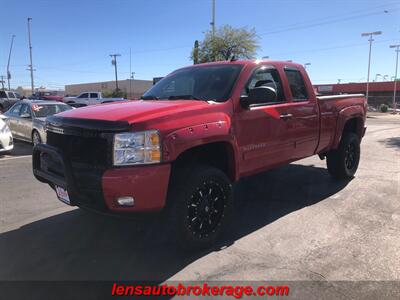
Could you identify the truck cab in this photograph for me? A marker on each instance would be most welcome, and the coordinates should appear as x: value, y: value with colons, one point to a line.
x: 7, y: 99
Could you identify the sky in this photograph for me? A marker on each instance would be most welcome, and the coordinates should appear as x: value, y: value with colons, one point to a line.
x: 72, y: 39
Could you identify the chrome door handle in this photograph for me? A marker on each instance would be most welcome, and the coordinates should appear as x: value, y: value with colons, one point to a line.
x: 285, y: 117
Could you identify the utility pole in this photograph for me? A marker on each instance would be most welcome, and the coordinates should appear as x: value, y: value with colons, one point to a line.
x: 132, y: 78
x: 395, y: 75
x: 213, y: 18
x: 2, y: 82
x: 114, y: 63
x: 370, y: 34
x: 213, y: 29
x: 8, y: 63
x: 130, y: 72
x: 30, y: 55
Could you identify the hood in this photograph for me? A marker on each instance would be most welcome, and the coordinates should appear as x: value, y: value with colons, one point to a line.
x: 134, y: 111
x: 165, y: 116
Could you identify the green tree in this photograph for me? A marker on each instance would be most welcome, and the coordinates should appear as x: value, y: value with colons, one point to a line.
x: 227, y: 42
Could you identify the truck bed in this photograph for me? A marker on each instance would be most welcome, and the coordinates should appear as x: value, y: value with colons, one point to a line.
x: 330, y: 108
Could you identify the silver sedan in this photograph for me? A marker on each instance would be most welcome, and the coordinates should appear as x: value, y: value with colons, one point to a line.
x: 27, y: 118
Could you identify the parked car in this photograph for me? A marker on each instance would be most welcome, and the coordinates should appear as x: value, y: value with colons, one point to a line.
x: 6, y: 139
x: 195, y: 132
x: 26, y: 119
x: 52, y: 96
x: 7, y: 99
x: 89, y: 98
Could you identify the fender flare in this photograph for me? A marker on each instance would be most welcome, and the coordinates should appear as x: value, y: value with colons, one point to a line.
x: 346, y: 114
x: 184, y: 139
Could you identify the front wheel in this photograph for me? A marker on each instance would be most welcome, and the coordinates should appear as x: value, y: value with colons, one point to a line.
x: 343, y: 162
x: 200, y: 206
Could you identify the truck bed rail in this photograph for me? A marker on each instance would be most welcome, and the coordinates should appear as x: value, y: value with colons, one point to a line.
x: 329, y: 97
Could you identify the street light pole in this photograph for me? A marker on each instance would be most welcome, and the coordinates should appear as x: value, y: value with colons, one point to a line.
x: 213, y: 18
x: 306, y: 64
x: 114, y: 62
x: 8, y: 63
x: 30, y: 55
x: 395, y: 75
x: 370, y: 34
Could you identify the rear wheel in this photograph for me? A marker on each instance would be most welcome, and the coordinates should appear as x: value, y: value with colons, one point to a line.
x: 343, y: 162
x: 200, y: 206
x: 36, y: 139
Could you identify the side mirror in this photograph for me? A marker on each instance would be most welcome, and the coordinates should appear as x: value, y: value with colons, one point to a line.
x: 25, y: 116
x: 259, y: 95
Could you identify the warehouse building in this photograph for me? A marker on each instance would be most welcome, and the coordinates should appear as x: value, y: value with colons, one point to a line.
x: 133, y: 88
x: 379, y: 92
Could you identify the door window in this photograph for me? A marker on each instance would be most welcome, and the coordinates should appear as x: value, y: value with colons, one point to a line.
x: 94, y: 95
x: 84, y: 95
x: 25, y: 110
x: 297, y: 85
x: 265, y: 76
x: 14, y: 111
x: 3, y: 94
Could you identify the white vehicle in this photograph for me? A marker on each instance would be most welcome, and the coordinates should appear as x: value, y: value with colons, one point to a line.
x: 89, y: 98
x: 7, y: 99
x: 6, y: 139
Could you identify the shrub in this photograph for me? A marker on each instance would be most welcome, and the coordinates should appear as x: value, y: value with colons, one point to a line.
x: 384, y: 108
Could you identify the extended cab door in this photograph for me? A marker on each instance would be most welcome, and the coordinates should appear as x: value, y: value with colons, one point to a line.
x: 94, y: 98
x: 262, y: 133
x: 302, y: 114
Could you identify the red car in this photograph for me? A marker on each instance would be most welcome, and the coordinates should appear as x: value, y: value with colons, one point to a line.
x: 50, y: 96
x: 193, y: 134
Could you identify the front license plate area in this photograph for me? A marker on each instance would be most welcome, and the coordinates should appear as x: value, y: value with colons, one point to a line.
x: 62, y: 195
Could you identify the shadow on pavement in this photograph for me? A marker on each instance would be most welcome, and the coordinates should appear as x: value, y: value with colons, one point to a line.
x: 83, y: 246
x: 20, y: 149
x: 393, y: 142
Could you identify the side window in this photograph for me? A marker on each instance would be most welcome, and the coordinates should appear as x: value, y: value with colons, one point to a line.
x: 265, y: 76
x: 14, y: 111
x: 94, y: 95
x: 25, y: 110
x: 296, y: 83
x: 3, y: 94
x: 84, y: 95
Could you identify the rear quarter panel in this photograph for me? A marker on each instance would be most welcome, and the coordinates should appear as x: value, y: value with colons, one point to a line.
x: 334, y: 115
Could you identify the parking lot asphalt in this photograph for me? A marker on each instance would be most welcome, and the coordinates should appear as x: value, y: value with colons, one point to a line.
x: 291, y: 223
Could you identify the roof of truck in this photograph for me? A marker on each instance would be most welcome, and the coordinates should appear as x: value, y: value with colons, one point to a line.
x: 253, y: 62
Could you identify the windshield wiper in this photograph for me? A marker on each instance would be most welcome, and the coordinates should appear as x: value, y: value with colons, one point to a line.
x: 149, y: 97
x: 189, y: 97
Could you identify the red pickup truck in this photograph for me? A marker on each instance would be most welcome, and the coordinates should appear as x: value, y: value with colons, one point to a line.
x: 198, y: 130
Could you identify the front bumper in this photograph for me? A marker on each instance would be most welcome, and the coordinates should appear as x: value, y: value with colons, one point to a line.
x: 100, y: 189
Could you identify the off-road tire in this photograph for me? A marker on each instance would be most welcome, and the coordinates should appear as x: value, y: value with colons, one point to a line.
x: 202, y: 192
x: 343, y: 162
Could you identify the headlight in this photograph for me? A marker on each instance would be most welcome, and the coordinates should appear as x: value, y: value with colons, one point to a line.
x: 134, y: 148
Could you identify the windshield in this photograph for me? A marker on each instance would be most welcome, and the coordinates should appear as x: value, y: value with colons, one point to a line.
x: 44, y: 110
x: 210, y: 83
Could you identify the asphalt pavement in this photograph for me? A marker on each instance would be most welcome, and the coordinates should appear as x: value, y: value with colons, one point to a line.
x: 291, y: 223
